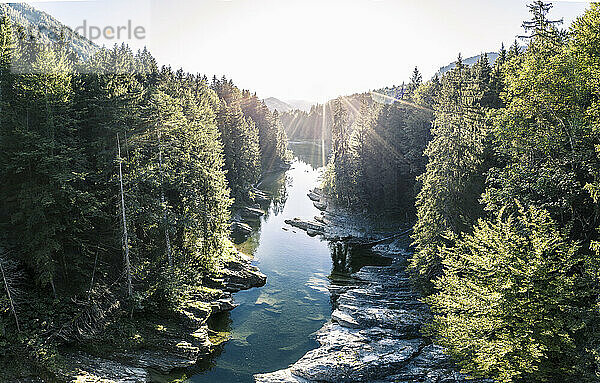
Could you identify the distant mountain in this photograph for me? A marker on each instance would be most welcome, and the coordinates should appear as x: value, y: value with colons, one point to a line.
x: 32, y: 23
x: 492, y: 56
x: 276, y: 104
x: 301, y: 104
x: 286, y: 106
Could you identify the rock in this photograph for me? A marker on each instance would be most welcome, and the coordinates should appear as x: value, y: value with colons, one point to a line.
x: 83, y: 368
x: 285, y: 165
x: 241, y: 228
x: 221, y: 305
x: 312, y: 233
x: 314, y: 196
x: 239, y: 274
x: 348, y: 355
x: 161, y: 361
x: 260, y: 196
x: 306, y: 225
x: 281, y: 376
x: 344, y: 319
x: 374, y: 333
x: 252, y: 212
x: 320, y: 219
x: 320, y: 205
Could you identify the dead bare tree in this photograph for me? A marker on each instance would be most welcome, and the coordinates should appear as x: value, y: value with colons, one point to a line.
x: 125, y: 237
x: 9, y: 294
x: 93, y: 274
x: 162, y: 201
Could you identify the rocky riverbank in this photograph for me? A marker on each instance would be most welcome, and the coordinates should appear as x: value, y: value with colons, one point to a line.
x: 375, y: 330
x: 176, y: 344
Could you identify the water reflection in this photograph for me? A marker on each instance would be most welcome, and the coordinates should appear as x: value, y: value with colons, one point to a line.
x: 274, y: 326
x: 311, y: 152
x: 276, y: 185
x: 346, y: 260
x: 340, y: 258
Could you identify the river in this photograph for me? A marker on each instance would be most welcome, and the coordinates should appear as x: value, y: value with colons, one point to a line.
x: 272, y: 326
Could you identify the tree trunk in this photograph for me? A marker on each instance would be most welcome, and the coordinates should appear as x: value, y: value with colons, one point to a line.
x: 125, y: 237
x: 162, y: 201
x: 7, y: 287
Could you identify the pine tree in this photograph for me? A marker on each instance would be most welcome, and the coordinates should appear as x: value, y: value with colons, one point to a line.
x: 448, y: 202
x: 415, y: 81
x: 540, y: 27
x: 340, y: 180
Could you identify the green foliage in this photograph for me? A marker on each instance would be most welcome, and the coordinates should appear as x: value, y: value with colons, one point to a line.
x: 241, y: 149
x: 272, y: 141
x: 516, y: 301
x: 426, y: 94
x: 377, y: 164
x: 458, y: 154
x: 69, y: 131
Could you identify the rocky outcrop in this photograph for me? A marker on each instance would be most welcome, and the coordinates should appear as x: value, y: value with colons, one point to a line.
x: 375, y: 330
x: 252, y: 212
x: 320, y: 205
x: 374, y: 336
x: 239, y: 274
x: 314, y: 196
x: 240, y: 228
x: 306, y: 225
x: 260, y: 196
x: 178, y: 345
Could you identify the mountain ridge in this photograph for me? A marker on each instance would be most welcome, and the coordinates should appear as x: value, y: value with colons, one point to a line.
x: 32, y: 23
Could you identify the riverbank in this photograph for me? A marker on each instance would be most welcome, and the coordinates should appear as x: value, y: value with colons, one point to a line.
x: 374, y: 334
x: 176, y: 343
x: 149, y: 347
x: 273, y: 326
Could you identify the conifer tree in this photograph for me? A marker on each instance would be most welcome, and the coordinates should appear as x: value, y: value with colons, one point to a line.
x: 514, y: 301
x: 540, y: 27
x: 448, y: 202
x: 415, y: 81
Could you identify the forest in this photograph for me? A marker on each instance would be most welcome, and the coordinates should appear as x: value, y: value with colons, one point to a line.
x: 505, y: 199
x: 118, y: 181
x: 121, y: 180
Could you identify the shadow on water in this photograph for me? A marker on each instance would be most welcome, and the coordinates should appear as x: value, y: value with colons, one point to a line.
x: 311, y: 152
x: 274, y: 325
x: 346, y: 260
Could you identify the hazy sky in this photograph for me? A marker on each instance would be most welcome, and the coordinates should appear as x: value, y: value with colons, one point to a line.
x: 308, y: 49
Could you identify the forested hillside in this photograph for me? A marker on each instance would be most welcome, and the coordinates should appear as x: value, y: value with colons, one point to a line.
x: 117, y: 182
x: 506, y: 232
x: 30, y: 23
x: 316, y: 124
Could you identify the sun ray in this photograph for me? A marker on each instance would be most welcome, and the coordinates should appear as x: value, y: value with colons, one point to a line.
x: 408, y: 103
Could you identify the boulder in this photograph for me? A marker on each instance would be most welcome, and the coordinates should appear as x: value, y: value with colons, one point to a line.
x: 313, y: 196
x: 374, y: 335
x: 240, y: 228
x: 320, y: 205
x: 252, y: 212
x: 306, y: 225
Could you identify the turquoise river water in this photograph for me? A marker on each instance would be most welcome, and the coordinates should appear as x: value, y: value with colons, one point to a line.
x: 274, y: 325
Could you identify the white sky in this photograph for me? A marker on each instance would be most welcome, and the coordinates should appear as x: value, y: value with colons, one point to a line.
x: 309, y: 49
